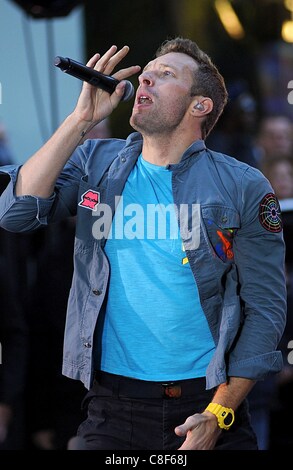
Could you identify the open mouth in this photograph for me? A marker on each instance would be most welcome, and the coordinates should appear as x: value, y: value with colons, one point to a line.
x: 143, y: 99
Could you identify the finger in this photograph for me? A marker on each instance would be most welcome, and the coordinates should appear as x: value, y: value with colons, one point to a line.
x: 115, y: 59
x: 128, y: 72
x: 190, y: 423
x: 93, y: 60
x: 118, y: 94
x: 105, y: 58
x: 120, y: 88
x: 181, y: 430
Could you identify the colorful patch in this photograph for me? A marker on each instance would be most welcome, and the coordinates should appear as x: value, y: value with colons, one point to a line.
x: 270, y: 213
x: 223, y: 242
x: 224, y: 249
x: 90, y: 199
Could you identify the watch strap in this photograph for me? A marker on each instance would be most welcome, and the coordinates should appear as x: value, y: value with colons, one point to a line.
x: 224, y: 415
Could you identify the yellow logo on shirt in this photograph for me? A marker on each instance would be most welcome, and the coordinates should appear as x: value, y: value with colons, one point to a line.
x: 185, y: 259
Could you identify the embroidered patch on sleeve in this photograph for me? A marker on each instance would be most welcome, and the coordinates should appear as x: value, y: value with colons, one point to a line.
x: 90, y: 199
x: 270, y: 213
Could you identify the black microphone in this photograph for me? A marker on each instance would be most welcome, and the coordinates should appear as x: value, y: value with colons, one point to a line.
x: 93, y: 77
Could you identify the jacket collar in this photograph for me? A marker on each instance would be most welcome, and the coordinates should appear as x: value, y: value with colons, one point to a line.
x: 135, y: 139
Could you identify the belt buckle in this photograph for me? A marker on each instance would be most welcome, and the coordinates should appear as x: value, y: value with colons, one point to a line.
x: 171, y: 390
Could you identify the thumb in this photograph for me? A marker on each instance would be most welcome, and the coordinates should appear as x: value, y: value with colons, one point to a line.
x: 181, y: 430
x: 125, y: 90
x: 190, y: 423
x: 121, y: 88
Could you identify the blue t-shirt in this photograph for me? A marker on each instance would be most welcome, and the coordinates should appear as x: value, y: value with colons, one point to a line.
x: 154, y: 326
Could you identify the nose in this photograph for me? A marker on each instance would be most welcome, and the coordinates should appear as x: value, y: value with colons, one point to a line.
x: 146, y: 78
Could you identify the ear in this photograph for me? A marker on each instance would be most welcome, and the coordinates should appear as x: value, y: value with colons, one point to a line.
x: 201, y: 106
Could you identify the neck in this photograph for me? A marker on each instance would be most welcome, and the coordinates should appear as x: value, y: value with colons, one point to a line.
x: 165, y: 150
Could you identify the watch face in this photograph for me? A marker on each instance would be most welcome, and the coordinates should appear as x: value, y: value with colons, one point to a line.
x: 227, y: 418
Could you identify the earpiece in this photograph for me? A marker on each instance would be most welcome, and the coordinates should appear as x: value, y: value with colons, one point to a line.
x: 199, y: 106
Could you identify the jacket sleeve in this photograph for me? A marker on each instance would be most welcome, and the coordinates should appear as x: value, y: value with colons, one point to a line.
x: 29, y: 212
x: 259, y: 253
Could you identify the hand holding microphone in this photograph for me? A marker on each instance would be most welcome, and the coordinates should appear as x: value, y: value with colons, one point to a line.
x: 92, y: 76
x: 92, y: 106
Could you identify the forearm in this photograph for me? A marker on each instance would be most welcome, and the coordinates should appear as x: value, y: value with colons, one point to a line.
x: 232, y: 393
x: 38, y: 175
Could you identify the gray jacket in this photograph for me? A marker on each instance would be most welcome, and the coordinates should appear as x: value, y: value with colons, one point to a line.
x: 236, y: 250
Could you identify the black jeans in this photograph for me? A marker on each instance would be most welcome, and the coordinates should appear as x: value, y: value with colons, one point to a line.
x: 127, y: 414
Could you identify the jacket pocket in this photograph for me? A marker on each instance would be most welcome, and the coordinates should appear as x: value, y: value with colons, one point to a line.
x: 220, y: 225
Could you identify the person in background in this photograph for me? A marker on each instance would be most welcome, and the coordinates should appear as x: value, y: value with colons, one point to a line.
x: 13, y: 331
x: 14, y: 347
x: 235, y: 132
x: 13, y: 327
x: 163, y: 316
x: 279, y: 170
x: 274, y: 137
x: 269, y: 399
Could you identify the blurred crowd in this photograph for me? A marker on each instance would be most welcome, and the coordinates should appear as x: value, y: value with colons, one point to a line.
x: 266, y: 143
x: 38, y: 406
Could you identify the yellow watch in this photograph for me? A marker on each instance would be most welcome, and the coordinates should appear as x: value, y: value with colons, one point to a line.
x: 224, y: 415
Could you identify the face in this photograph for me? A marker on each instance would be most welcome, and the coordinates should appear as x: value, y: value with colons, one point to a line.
x: 163, y: 95
x: 281, y: 178
x: 276, y: 136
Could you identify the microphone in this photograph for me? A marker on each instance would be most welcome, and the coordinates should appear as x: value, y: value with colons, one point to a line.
x: 93, y: 77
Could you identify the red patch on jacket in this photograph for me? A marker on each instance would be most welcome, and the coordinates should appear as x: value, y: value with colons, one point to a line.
x: 90, y: 199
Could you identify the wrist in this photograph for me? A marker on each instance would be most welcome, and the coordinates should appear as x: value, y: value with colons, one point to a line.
x: 80, y: 125
x: 212, y: 417
x: 225, y: 416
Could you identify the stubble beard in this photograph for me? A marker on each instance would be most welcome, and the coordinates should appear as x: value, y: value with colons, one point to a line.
x: 159, y: 123
x: 147, y: 126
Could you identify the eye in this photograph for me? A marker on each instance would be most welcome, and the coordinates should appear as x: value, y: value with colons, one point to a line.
x: 168, y: 73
